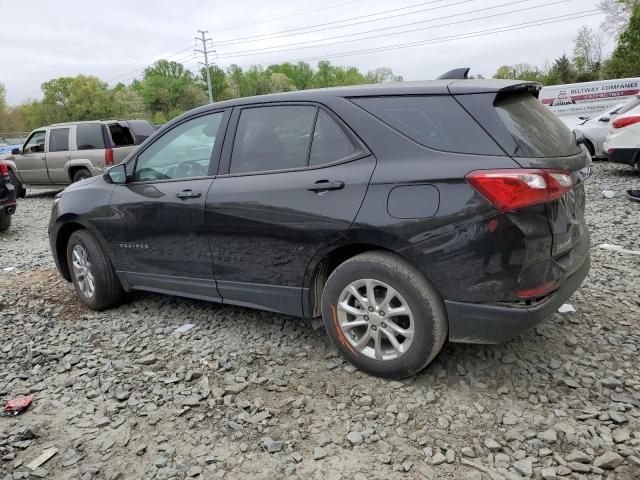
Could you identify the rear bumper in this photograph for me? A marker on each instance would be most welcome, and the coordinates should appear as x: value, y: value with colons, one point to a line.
x: 483, y: 323
x: 628, y: 156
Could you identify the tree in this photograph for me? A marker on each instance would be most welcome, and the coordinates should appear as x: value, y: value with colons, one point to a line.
x: 170, y: 88
x: 219, y: 86
x: 521, y: 71
x: 382, y: 75
x: 618, y: 13
x: 587, y: 54
x: 561, y: 71
x: 625, y: 60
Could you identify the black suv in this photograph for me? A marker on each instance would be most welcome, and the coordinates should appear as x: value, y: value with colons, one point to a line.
x: 7, y: 198
x: 405, y: 215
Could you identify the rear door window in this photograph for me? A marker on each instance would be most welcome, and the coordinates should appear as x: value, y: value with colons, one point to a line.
x: 537, y: 131
x: 59, y: 140
x: 330, y: 143
x: 437, y: 122
x: 90, y: 136
x: 272, y: 138
x: 120, y: 136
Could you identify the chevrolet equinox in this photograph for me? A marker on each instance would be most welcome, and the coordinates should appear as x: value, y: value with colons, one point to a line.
x: 404, y: 215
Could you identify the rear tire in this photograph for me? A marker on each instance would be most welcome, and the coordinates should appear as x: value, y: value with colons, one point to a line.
x: 396, y: 287
x: 5, y: 221
x: 91, y: 271
x: 81, y: 174
x: 20, y: 190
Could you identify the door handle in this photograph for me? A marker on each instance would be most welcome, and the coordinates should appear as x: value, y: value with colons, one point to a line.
x: 188, y: 194
x: 325, y: 186
x: 43, y: 158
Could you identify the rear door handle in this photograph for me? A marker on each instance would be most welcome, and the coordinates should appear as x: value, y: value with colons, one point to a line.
x: 325, y: 186
x: 188, y: 194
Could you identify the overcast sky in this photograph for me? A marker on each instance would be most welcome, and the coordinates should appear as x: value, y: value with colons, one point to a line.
x: 115, y: 40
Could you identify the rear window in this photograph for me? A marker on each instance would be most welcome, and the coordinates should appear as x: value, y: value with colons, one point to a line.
x: 630, y: 105
x: 537, y: 131
x: 141, y: 129
x: 437, y: 122
x: 89, y: 136
x: 59, y: 140
x: 120, y: 136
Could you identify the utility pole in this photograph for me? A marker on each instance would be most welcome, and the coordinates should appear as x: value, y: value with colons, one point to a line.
x: 205, y: 52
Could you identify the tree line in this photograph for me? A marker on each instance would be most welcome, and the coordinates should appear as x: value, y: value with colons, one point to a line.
x: 589, y: 62
x: 168, y: 89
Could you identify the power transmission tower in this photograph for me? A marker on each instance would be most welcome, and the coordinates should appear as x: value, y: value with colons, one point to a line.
x: 205, y: 43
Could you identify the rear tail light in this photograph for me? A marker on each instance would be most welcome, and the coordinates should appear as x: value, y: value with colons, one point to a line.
x: 4, y: 170
x: 511, y: 189
x: 538, y: 291
x: 625, y: 121
x: 108, y: 156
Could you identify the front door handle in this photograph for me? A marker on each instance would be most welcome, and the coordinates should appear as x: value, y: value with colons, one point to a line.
x: 188, y: 194
x: 325, y: 186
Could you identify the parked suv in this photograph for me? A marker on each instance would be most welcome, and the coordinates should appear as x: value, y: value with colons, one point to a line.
x: 7, y: 198
x: 404, y: 215
x: 63, y: 153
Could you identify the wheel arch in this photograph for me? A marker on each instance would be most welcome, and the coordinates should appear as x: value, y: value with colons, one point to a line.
x: 324, y: 264
x: 63, y: 234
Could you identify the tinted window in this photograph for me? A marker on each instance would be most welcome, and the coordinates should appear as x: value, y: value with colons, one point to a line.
x: 272, y: 138
x: 182, y: 152
x: 59, y: 140
x: 35, y: 143
x: 537, y: 131
x: 141, y: 129
x: 330, y: 142
x: 89, y: 136
x: 437, y: 122
x: 120, y: 136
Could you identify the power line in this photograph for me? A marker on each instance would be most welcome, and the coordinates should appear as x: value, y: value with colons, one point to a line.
x: 168, y: 49
x: 140, y: 69
x: 289, y: 15
x: 479, y: 33
x: 205, y: 52
x: 270, y: 36
x: 315, y: 44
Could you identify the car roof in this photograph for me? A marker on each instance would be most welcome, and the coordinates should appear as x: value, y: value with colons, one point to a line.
x: 429, y: 87
x: 61, y: 124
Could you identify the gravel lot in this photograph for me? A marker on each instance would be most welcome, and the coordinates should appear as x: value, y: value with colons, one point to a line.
x: 249, y: 394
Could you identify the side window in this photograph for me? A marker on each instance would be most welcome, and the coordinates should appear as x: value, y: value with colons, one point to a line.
x: 90, y: 136
x: 272, y: 138
x: 330, y: 143
x: 437, y: 122
x: 35, y: 144
x: 59, y: 140
x: 120, y: 136
x: 183, y: 152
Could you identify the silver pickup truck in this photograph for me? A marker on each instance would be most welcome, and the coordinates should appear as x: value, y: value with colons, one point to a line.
x: 63, y: 153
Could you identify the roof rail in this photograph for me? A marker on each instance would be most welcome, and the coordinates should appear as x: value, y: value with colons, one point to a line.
x: 455, y: 74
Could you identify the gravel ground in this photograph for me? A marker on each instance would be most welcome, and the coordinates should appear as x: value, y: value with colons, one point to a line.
x: 249, y: 394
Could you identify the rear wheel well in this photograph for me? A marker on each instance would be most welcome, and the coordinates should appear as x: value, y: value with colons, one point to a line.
x: 73, y: 170
x: 590, y: 147
x: 61, y: 247
x: 329, y: 263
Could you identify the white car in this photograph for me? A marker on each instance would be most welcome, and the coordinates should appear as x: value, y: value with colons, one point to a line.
x: 622, y: 144
x: 596, y: 128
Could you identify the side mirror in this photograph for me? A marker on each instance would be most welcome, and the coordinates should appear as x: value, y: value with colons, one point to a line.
x: 604, y: 119
x: 579, y: 136
x: 116, y: 174
x: 15, y: 151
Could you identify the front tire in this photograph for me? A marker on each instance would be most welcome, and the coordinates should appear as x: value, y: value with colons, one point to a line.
x: 21, y: 192
x: 5, y: 221
x: 92, y: 274
x: 383, y: 315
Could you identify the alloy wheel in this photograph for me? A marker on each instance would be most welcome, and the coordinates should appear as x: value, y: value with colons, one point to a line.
x: 82, y: 271
x: 375, y: 319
